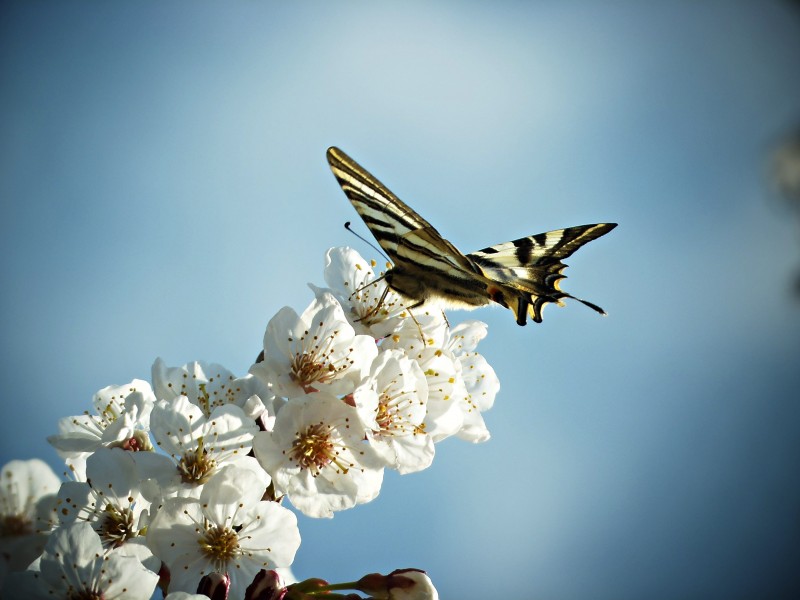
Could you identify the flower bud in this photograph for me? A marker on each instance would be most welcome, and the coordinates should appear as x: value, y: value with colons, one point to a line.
x: 401, y: 584
x: 267, y: 585
x: 215, y: 586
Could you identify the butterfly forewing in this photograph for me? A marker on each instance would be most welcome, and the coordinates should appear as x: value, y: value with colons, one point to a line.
x: 521, y: 275
x: 387, y: 217
x: 405, y: 236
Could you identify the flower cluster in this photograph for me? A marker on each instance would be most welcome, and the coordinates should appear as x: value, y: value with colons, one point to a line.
x: 179, y: 482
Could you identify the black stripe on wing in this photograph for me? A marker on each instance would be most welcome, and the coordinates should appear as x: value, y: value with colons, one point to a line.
x: 402, y: 233
x: 542, y: 248
x: 529, y: 270
x: 385, y: 214
x: 427, y: 249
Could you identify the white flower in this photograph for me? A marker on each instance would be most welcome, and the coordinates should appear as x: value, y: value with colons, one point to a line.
x: 426, y: 327
x: 393, y: 403
x: 479, y: 378
x: 121, y: 419
x: 110, y: 500
x: 201, y: 445
x: 446, y: 392
x: 317, y: 455
x: 27, y: 500
x: 229, y: 529
x: 209, y: 385
x: 461, y: 384
x: 74, y: 565
x: 464, y: 337
x: 354, y: 283
x: 315, y: 351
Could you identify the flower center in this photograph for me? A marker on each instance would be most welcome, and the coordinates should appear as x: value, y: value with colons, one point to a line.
x: 313, y: 449
x: 307, y: 369
x: 391, y: 418
x: 385, y: 415
x: 138, y: 442
x: 117, y: 526
x: 219, y: 544
x: 196, y: 466
x: 13, y: 525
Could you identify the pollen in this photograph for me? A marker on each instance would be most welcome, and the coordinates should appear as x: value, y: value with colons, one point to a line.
x: 117, y: 526
x: 314, y: 449
x: 319, y: 363
x: 385, y: 416
x: 219, y: 544
x: 307, y: 368
x: 196, y: 466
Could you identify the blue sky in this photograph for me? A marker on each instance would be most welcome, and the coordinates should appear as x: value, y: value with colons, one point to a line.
x: 164, y: 192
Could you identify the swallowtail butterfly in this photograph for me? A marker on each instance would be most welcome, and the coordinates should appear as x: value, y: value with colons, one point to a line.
x: 522, y: 275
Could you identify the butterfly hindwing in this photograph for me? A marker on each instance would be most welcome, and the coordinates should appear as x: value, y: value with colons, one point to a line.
x: 532, y: 265
x: 521, y: 275
x: 543, y: 247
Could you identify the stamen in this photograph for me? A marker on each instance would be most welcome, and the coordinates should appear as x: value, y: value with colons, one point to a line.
x: 196, y: 466
x: 116, y: 526
x: 220, y: 545
x: 314, y: 449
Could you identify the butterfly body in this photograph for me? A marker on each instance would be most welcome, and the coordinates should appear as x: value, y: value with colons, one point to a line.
x: 452, y: 291
x: 521, y: 275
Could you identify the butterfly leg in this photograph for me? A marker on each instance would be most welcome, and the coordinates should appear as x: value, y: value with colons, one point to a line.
x: 413, y: 318
x: 374, y: 310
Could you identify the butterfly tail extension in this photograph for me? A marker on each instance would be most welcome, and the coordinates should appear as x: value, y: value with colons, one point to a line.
x: 524, y: 304
x: 535, y: 308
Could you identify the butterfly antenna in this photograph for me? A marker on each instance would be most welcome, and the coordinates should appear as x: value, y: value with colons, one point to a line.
x: 366, y: 241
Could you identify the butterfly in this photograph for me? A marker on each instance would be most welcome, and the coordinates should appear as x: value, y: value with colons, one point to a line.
x: 522, y: 275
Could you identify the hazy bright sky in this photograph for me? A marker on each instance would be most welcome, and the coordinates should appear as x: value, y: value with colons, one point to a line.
x: 165, y: 192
